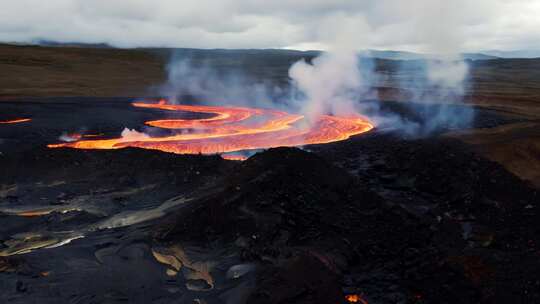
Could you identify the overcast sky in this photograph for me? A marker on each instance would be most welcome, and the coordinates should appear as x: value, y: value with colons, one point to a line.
x: 413, y: 25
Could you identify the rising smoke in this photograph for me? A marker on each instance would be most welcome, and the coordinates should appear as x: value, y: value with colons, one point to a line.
x: 331, y: 84
x: 438, y: 96
x: 341, y: 82
x: 198, y: 80
x: 338, y: 81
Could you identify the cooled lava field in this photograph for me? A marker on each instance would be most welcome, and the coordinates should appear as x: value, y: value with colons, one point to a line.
x: 378, y: 218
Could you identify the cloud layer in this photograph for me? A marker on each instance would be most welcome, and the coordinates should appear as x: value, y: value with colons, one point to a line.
x: 413, y: 25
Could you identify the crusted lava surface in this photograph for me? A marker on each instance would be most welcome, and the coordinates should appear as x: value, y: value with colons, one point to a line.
x: 480, y: 219
x: 380, y: 217
x: 427, y: 221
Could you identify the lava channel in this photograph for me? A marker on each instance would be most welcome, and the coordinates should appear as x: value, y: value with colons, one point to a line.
x: 15, y: 121
x: 230, y: 129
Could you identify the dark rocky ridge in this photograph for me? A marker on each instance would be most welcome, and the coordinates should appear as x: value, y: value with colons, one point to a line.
x: 295, y: 209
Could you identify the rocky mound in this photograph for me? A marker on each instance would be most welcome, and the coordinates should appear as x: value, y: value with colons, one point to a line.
x: 283, y: 189
x: 356, y: 228
x: 295, y: 213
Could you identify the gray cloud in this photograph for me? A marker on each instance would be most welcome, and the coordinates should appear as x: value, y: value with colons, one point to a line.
x: 384, y: 24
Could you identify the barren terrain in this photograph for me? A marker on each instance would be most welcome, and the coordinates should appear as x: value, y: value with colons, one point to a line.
x: 381, y: 218
x: 509, y: 86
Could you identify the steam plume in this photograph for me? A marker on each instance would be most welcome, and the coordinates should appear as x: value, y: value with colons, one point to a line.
x: 340, y: 82
x: 337, y: 81
x: 201, y: 81
x: 331, y: 83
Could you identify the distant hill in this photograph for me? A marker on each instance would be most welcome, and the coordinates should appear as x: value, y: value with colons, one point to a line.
x: 77, y: 71
x: 380, y: 54
x: 389, y: 55
x: 478, y: 56
x: 402, y: 55
x: 72, y: 44
x: 392, y: 55
x: 191, y: 51
x: 514, y: 54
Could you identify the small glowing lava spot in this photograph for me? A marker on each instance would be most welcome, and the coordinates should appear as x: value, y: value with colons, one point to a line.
x: 33, y: 213
x: 354, y: 298
x: 14, y: 121
x: 93, y: 135
x: 418, y: 298
x: 237, y: 157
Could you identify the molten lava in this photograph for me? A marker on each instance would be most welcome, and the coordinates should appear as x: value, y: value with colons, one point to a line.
x: 93, y: 135
x: 354, y: 298
x: 230, y: 129
x: 14, y: 121
x: 237, y: 157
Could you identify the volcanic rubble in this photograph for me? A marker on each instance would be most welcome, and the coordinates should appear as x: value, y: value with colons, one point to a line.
x: 419, y: 221
x: 378, y: 219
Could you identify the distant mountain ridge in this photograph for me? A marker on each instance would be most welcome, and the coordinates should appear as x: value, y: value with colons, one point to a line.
x: 380, y: 54
x: 72, y: 44
x: 514, y: 54
x: 403, y: 55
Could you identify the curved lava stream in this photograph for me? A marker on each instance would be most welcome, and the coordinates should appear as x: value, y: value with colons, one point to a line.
x: 231, y: 129
x: 15, y: 121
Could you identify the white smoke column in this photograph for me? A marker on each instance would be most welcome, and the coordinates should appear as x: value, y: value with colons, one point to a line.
x: 133, y: 135
x: 335, y: 82
x: 330, y: 83
x: 65, y: 137
x: 440, y: 26
x: 448, y: 74
x: 208, y: 84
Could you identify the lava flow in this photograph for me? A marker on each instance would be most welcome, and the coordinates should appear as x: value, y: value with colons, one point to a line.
x: 354, y: 298
x: 230, y: 129
x: 14, y: 121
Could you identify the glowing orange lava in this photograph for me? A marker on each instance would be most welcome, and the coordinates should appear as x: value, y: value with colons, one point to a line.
x: 234, y: 157
x: 230, y: 129
x: 14, y: 121
x: 93, y: 135
x: 354, y: 298
x: 34, y: 213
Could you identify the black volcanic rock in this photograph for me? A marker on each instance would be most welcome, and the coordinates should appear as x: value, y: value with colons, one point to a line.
x: 292, y: 210
x: 482, y: 222
x: 286, y: 208
x: 304, y: 279
x: 281, y: 193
